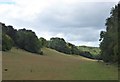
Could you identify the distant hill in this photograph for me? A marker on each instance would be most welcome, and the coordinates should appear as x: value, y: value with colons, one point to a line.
x: 94, y: 51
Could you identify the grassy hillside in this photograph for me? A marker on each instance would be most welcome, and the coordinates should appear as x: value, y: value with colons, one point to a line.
x: 93, y: 50
x: 53, y: 65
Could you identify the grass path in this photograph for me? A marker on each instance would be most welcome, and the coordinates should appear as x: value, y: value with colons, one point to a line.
x: 54, y: 65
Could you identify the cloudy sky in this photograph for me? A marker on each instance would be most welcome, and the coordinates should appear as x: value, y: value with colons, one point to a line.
x: 77, y: 21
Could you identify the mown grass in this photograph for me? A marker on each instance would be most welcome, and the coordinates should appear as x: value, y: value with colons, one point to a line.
x: 54, y: 65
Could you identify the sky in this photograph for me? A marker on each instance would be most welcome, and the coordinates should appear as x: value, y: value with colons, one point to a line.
x: 77, y: 21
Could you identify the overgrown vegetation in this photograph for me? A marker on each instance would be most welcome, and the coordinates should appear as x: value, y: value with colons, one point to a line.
x: 109, y: 38
x: 27, y: 40
x: 61, y: 45
x: 94, y: 52
x: 24, y: 39
x: 58, y: 44
x: 7, y: 42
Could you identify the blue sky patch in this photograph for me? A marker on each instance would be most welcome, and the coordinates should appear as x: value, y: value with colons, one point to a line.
x: 7, y: 2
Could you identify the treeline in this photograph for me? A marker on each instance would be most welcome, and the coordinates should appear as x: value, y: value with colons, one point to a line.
x: 59, y: 44
x: 22, y: 38
x: 27, y: 40
x: 94, y: 51
x: 109, y: 38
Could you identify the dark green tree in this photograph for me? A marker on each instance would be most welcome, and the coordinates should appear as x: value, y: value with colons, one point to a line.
x: 58, y: 44
x: 24, y: 39
x: 73, y: 49
x: 27, y: 40
x: 43, y: 42
x: 109, y: 39
x: 10, y: 31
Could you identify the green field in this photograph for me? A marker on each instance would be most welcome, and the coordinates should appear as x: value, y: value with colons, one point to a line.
x: 93, y: 50
x: 53, y: 65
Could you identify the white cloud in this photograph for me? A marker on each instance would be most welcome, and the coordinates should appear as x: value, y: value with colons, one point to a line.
x: 82, y: 43
x: 26, y: 10
x: 77, y: 22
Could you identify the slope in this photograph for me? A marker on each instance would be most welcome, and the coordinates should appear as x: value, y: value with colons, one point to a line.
x: 53, y: 65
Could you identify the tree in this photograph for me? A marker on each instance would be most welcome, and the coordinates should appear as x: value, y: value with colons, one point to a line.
x: 58, y: 44
x: 86, y: 54
x: 24, y: 39
x: 73, y: 49
x: 7, y: 42
x: 10, y: 31
x: 43, y: 42
x: 27, y: 40
x: 109, y: 44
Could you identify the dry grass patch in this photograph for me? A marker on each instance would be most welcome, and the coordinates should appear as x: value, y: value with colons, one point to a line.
x: 53, y: 65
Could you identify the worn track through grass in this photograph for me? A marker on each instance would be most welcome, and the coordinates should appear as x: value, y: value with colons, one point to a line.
x: 53, y: 65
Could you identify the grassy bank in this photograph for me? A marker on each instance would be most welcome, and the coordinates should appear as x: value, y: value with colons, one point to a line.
x: 53, y: 65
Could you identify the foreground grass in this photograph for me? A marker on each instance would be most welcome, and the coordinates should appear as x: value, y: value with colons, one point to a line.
x: 53, y: 65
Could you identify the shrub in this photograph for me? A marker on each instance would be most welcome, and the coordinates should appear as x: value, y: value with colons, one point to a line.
x: 7, y: 42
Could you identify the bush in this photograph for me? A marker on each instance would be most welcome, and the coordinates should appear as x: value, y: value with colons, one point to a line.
x: 86, y: 54
x: 58, y: 44
x: 27, y: 40
x: 7, y: 42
